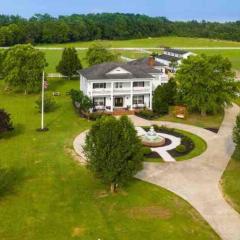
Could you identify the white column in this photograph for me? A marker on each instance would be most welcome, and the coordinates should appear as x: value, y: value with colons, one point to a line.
x: 131, y: 96
x: 112, y: 96
x: 151, y: 95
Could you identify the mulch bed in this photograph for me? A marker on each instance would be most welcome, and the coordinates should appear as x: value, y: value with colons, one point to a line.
x: 215, y: 130
x: 186, y: 141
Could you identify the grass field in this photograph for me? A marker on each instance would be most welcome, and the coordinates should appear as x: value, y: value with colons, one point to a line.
x: 53, y: 56
x: 233, y: 55
x: 231, y: 182
x: 209, y: 121
x: 56, y: 199
x: 154, y: 42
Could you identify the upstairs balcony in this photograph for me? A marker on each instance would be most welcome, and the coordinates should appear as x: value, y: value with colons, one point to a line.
x: 127, y: 91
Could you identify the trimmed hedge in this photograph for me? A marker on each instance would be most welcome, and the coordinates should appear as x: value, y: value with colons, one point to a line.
x: 147, y: 114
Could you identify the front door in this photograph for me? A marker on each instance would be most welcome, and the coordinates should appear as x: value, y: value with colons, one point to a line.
x: 118, y: 102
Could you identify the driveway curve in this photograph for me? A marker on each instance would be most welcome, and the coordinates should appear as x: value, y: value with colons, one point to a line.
x: 197, y: 180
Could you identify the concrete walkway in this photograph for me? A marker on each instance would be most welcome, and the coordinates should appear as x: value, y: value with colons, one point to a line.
x: 197, y: 180
x: 163, y: 151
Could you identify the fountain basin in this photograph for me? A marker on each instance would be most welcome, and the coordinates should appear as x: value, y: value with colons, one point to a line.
x: 152, y: 139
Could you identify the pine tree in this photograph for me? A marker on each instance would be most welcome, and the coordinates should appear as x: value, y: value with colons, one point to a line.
x: 70, y: 63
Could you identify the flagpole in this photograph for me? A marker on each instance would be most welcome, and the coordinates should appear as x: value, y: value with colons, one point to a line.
x: 43, y: 88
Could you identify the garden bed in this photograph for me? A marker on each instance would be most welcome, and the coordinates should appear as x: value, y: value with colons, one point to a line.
x: 191, y: 145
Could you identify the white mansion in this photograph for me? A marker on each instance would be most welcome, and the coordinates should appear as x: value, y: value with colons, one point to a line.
x: 129, y: 86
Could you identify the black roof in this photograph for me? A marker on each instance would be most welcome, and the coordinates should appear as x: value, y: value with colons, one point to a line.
x: 100, y: 71
x: 144, y: 61
x: 167, y: 57
x: 176, y: 51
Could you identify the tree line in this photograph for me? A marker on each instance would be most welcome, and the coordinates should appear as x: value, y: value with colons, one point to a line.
x: 44, y: 28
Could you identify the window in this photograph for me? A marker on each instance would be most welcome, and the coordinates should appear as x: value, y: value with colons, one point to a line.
x: 99, y: 85
x: 138, y: 100
x: 138, y: 84
x: 119, y: 85
x: 98, y: 102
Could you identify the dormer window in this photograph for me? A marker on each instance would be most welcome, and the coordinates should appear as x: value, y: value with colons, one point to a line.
x: 118, y: 70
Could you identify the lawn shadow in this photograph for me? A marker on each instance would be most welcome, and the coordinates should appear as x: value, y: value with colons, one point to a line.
x: 54, y: 85
x: 10, y: 178
x: 18, y: 129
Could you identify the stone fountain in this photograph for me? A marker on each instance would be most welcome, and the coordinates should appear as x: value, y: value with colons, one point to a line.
x: 152, y: 139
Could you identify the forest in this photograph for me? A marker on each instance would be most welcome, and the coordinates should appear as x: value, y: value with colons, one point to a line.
x: 43, y: 28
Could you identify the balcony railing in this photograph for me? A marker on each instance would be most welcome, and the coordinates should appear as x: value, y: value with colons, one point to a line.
x: 141, y: 90
x: 107, y: 91
x: 100, y: 91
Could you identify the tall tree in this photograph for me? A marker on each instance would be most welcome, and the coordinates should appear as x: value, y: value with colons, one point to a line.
x: 164, y: 96
x: 70, y: 63
x: 160, y: 103
x: 113, y: 150
x: 5, y: 121
x: 22, y: 68
x: 206, y: 83
x: 98, y: 54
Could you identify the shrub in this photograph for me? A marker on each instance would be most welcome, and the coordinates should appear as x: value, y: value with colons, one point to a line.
x: 80, y: 101
x: 5, y: 121
x: 95, y: 115
x: 181, y: 148
x: 147, y: 114
x: 146, y: 150
x: 49, y: 104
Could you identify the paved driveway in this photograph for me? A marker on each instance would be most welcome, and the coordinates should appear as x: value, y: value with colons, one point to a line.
x: 197, y: 180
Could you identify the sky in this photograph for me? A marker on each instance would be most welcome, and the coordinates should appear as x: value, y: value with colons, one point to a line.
x: 212, y: 10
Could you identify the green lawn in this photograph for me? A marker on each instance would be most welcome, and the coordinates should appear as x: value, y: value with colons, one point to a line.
x: 56, y: 199
x: 200, y: 146
x: 210, y: 121
x: 157, y: 160
x: 231, y: 182
x: 53, y: 56
x: 232, y: 55
x: 155, y: 42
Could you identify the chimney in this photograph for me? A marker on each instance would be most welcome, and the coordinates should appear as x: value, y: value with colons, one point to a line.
x: 151, y: 61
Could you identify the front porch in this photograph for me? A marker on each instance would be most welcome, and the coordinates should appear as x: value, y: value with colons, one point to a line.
x: 122, y: 104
